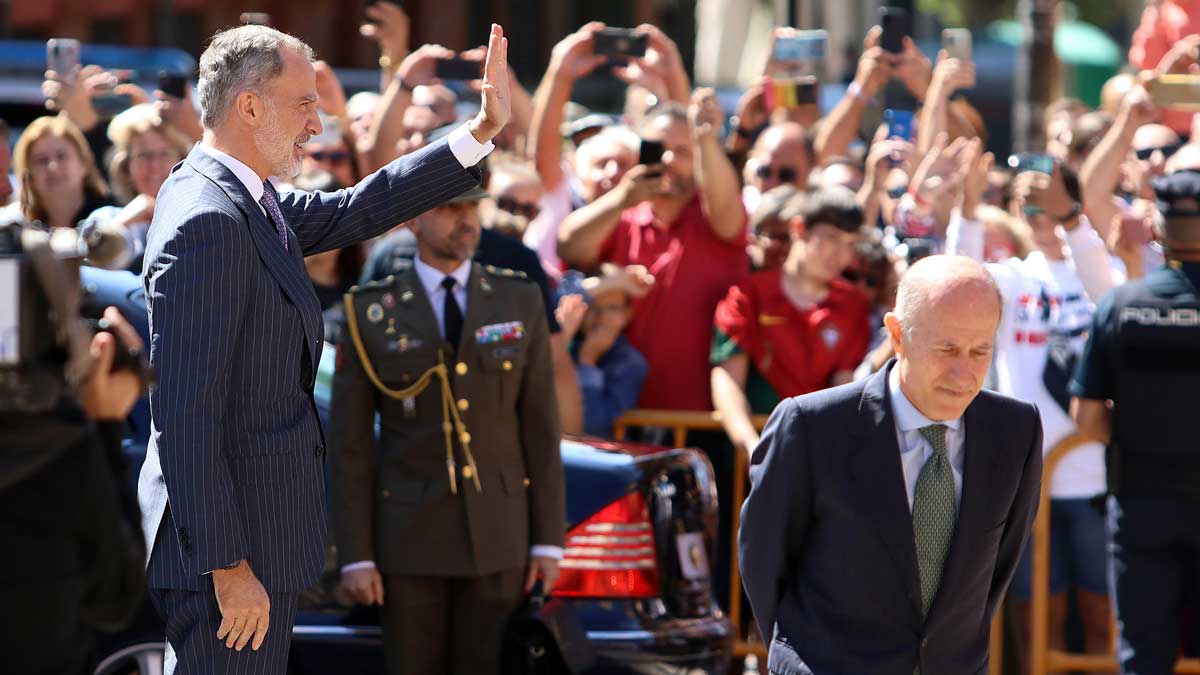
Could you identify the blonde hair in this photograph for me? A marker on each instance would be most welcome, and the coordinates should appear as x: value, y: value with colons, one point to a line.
x: 1018, y: 231
x: 32, y: 205
x: 124, y: 128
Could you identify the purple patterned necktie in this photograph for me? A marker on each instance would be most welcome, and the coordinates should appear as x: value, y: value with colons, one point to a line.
x: 272, y: 206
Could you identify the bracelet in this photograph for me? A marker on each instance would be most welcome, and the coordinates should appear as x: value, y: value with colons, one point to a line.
x: 1074, y: 213
x: 855, y: 91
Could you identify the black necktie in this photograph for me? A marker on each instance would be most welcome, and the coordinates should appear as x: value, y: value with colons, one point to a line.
x: 452, y: 314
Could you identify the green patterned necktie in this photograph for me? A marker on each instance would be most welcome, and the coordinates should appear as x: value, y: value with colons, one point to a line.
x: 935, y: 509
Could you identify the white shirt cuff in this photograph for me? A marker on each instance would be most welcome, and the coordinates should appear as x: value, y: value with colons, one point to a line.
x: 466, y: 149
x: 554, y: 552
x: 361, y: 565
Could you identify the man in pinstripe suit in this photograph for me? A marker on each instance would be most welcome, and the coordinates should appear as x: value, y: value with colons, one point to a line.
x: 232, y: 489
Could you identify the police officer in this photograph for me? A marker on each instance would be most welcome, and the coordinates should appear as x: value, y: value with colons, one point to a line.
x: 1143, y: 354
x: 459, y: 507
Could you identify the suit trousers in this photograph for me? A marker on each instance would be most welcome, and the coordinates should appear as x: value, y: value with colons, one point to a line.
x: 448, y: 625
x: 193, y: 648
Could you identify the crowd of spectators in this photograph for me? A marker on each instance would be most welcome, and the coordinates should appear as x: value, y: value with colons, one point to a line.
x: 756, y: 258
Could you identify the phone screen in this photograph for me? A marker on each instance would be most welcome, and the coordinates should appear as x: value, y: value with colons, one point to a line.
x: 807, y: 46
x: 62, y: 55
x: 895, y: 24
x: 458, y: 69
x: 1032, y: 161
x: 899, y: 123
x: 624, y: 42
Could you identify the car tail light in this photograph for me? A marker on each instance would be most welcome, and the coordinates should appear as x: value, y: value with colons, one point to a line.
x: 611, y: 554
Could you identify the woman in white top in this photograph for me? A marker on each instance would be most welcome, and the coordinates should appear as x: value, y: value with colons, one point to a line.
x: 1049, y: 298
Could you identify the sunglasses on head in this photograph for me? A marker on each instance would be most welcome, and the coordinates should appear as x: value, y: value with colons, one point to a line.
x: 855, y: 276
x: 1167, y: 150
x: 334, y: 156
x: 515, y: 207
x: 786, y: 174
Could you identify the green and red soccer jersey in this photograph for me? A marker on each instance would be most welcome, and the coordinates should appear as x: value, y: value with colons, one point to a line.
x: 796, y: 351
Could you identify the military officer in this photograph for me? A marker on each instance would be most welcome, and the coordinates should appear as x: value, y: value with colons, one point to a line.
x: 453, y: 514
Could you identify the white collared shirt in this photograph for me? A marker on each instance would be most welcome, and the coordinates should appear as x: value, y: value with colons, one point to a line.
x: 431, y: 281
x: 914, y: 449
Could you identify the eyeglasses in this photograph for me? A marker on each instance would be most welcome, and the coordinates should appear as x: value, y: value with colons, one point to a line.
x: 334, y: 156
x: 855, y: 276
x: 517, y: 208
x: 154, y: 156
x: 1166, y: 150
x: 786, y: 174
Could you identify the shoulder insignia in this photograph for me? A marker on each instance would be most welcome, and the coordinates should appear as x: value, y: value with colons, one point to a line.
x: 504, y: 272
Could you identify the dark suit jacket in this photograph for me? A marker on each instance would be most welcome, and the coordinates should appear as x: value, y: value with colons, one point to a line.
x: 391, y: 500
x: 234, y: 467
x: 826, y: 543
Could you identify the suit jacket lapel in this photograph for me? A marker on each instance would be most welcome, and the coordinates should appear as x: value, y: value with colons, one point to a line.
x: 875, y: 467
x: 480, y: 308
x: 980, y: 464
x: 287, y: 267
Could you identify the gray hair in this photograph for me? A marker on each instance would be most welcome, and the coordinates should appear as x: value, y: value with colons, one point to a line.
x: 615, y: 135
x: 237, y: 60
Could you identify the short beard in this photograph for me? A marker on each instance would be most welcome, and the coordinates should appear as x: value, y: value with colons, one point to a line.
x: 269, y: 143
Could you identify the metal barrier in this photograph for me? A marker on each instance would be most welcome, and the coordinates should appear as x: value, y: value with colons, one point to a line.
x: 681, y: 422
x: 1044, y: 660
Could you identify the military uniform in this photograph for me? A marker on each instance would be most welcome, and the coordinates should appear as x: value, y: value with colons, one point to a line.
x: 466, y: 475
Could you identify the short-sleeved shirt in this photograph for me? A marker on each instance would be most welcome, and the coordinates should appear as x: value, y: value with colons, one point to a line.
x: 693, y: 268
x: 797, y: 351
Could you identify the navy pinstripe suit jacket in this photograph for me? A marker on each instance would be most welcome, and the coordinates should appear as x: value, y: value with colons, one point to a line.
x: 234, y: 467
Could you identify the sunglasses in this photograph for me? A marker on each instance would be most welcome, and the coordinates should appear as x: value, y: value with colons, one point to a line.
x: 786, y: 174
x: 515, y: 207
x: 855, y: 276
x: 335, y: 156
x: 1167, y: 150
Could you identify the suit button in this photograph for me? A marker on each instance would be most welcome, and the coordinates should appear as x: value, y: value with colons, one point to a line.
x: 468, y: 472
x: 461, y: 368
x: 924, y: 643
x: 319, y: 450
x: 386, y: 493
x: 463, y: 404
x: 507, y: 365
x: 526, y: 482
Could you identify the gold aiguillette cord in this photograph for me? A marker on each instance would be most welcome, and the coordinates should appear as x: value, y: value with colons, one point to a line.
x: 451, y: 420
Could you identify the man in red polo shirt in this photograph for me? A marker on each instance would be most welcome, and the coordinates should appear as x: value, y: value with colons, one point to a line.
x: 794, y: 330
x: 683, y: 220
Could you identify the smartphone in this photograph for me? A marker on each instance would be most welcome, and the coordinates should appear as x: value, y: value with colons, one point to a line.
x: 623, y: 42
x: 110, y: 105
x: 807, y: 45
x: 62, y: 55
x: 255, y: 19
x: 899, y: 123
x: 650, y: 153
x: 1178, y: 92
x: 368, y: 3
x: 1032, y: 161
x: 172, y: 84
x: 457, y: 69
x: 897, y: 25
x: 957, y: 43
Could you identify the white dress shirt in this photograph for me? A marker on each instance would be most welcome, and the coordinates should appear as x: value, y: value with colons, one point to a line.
x: 914, y: 449
x: 431, y: 281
